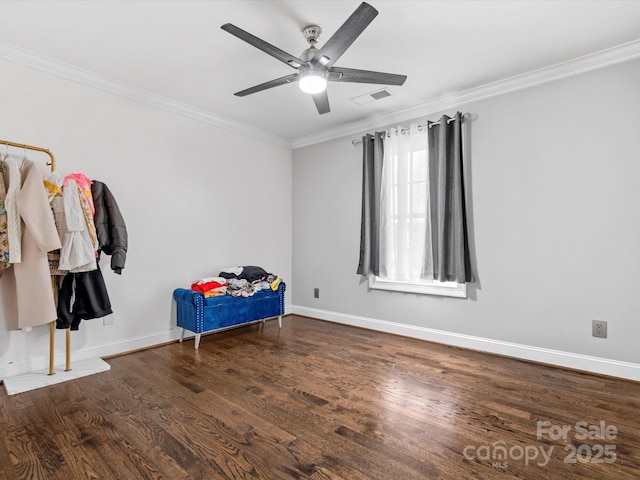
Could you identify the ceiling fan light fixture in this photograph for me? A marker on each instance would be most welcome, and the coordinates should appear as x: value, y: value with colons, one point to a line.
x: 314, y: 67
x: 312, y: 81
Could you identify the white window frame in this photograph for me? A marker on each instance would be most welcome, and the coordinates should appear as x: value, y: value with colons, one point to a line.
x: 433, y: 287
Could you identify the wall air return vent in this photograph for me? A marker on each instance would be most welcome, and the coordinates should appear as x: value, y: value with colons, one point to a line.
x: 370, y: 97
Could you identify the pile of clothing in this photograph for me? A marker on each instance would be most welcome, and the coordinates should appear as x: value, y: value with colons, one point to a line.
x: 237, y: 282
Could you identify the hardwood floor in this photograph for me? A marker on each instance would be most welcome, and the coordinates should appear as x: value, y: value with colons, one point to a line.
x: 322, y: 401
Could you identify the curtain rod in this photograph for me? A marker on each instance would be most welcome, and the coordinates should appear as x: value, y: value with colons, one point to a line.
x: 420, y: 127
x: 51, y: 164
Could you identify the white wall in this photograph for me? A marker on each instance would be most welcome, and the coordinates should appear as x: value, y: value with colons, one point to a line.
x: 553, y: 190
x: 195, y: 198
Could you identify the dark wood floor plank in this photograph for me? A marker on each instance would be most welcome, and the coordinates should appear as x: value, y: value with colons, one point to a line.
x: 281, y: 405
x: 225, y: 445
x: 134, y: 422
x: 85, y: 456
x: 299, y: 457
x: 20, y: 449
x: 316, y: 400
x: 482, y: 388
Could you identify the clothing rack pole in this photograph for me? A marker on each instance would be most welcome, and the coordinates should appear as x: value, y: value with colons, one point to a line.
x: 52, y: 327
x: 51, y: 163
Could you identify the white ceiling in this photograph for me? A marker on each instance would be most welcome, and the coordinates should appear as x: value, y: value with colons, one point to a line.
x: 176, y: 49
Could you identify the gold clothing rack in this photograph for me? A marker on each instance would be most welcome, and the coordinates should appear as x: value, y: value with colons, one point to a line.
x: 52, y: 326
x: 51, y: 164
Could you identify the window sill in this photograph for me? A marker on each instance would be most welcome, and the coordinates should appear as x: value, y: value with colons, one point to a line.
x: 443, y: 289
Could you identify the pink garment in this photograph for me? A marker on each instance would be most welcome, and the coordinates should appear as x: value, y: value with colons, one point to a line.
x: 84, y: 185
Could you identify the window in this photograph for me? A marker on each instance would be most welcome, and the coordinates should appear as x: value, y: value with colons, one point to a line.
x: 406, y: 253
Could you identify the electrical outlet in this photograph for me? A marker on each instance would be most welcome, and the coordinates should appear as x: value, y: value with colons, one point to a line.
x: 107, y: 320
x: 316, y: 293
x: 599, y: 328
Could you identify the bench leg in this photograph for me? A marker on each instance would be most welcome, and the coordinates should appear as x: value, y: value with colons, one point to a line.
x: 279, y: 321
x: 181, y: 334
x: 197, y: 340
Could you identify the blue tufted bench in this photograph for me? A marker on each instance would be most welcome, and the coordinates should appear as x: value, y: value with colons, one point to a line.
x: 199, y: 314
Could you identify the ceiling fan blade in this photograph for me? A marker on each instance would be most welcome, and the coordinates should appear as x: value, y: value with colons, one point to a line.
x: 275, y: 52
x: 345, y: 36
x: 322, y: 102
x: 270, y: 84
x: 338, y: 74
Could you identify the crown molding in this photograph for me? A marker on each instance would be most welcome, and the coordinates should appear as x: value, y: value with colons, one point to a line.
x: 69, y: 72
x: 597, y: 60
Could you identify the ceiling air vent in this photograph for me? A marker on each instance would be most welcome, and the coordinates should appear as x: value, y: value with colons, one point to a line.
x: 370, y: 97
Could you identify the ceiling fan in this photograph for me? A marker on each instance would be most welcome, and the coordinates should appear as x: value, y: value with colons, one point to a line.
x: 315, y: 67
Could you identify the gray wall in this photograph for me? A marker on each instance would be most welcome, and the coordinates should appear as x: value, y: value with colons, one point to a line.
x: 553, y: 189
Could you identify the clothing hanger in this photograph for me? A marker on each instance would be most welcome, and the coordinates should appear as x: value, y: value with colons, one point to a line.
x: 24, y: 157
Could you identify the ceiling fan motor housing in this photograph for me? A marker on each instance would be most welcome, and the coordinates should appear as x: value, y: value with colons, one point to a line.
x: 308, y: 54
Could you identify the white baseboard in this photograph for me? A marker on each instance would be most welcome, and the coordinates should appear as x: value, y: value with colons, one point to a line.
x: 98, y: 351
x: 35, y: 364
x: 603, y: 366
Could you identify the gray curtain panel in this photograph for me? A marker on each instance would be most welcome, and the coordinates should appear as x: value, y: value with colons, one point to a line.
x: 449, y: 239
x: 372, y: 157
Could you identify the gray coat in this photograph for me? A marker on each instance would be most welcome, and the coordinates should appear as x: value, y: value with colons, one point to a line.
x: 110, y: 227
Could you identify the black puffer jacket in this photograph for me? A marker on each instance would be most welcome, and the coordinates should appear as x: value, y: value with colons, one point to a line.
x: 110, y: 227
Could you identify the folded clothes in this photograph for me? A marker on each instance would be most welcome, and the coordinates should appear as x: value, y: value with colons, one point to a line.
x: 261, y: 285
x: 239, y: 287
x: 211, y: 279
x: 204, y: 287
x: 233, y: 271
x: 249, y: 273
x: 216, y: 292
